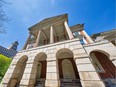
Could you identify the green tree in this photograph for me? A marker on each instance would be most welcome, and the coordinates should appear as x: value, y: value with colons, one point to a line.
x: 4, y: 64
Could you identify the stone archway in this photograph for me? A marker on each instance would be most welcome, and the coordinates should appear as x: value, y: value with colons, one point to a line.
x: 41, y: 64
x: 105, y: 68
x: 68, y: 73
x: 18, y: 72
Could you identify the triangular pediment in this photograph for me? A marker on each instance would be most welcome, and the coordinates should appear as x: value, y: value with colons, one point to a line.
x: 49, y: 21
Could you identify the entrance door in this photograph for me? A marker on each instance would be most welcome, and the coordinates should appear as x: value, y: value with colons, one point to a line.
x: 105, y: 68
x: 68, y: 73
x: 41, y: 74
x: 39, y: 70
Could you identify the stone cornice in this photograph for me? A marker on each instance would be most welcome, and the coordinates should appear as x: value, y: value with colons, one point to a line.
x: 50, y: 45
x: 49, y: 21
x: 96, y: 43
x: 77, y: 27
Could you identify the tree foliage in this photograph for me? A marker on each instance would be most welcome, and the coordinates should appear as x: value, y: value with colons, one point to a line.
x: 4, y: 64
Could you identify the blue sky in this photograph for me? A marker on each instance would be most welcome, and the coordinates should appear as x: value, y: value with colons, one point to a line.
x: 98, y: 16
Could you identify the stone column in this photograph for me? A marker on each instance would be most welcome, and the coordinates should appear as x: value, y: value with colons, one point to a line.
x: 38, y: 39
x: 51, y: 35
x: 29, y: 75
x: 25, y: 46
x: 12, y: 75
x: 52, y: 77
x: 85, y: 40
x: 87, y: 37
x: 70, y: 34
x: 8, y: 80
x: 87, y: 72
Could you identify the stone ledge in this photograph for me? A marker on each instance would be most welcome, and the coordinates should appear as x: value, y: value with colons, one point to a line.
x: 50, y: 45
x: 96, y: 43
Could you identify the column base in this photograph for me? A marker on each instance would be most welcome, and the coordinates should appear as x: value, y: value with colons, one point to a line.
x: 26, y: 86
x: 27, y: 83
x: 9, y: 83
x: 92, y: 83
x: 52, y: 83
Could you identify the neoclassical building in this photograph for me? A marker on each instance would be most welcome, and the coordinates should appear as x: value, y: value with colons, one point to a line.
x: 58, y: 55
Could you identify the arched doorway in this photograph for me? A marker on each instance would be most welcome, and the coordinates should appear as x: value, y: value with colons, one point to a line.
x: 41, y: 65
x: 18, y: 72
x: 103, y: 65
x: 68, y: 73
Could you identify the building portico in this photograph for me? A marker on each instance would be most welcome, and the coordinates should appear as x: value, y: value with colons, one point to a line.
x: 52, y: 32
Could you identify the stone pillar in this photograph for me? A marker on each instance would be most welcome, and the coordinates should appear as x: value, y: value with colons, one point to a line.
x: 8, y: 80
x: 52, y: 77
x: 88, y: 75
x: 51, y: 35
x: 29, y: 75
x: 11, y: 77
x: 38, y: 39
x: 85, y: 40
x: 86, y: 37
x: 70, y: 34
x: 25, y: 46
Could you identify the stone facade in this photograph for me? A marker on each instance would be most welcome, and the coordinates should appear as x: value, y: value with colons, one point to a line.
x: 65, y: 63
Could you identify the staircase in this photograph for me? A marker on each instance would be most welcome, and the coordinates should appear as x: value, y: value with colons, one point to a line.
x: 110, y: 82
x: 64, y: 83
x: 70, y: 83
x: 40, y: 83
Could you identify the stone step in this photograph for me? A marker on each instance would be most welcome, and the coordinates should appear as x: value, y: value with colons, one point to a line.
x: 110, y: 85
x: 71, y: 86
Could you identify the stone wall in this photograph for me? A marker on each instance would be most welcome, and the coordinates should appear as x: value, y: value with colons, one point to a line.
x: 105, y: 47
x: 87, y: 72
